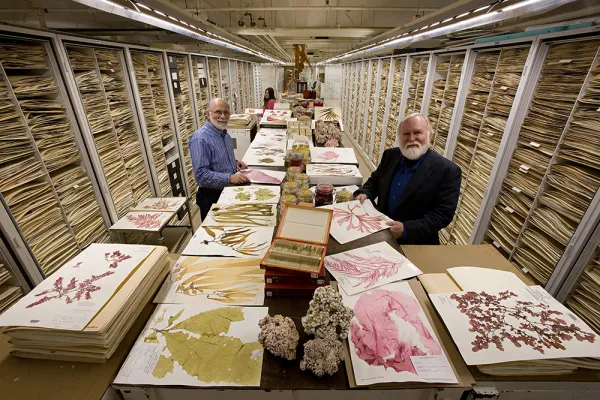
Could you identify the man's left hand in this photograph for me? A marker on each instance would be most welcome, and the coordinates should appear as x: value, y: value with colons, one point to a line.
x: 241, y: 165
x: 397, y: 228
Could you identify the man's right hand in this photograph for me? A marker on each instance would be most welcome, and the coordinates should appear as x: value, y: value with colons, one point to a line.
x: 238, y: 179
x: 361, y: 197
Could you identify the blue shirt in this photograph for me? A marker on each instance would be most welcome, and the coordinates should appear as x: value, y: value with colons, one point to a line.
x: 212, y: 155
x: 405, y: 171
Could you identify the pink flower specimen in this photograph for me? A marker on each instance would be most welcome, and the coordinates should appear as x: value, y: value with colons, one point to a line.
x: 72, y: 292
x: 524, y: 323
x: 376, y: 337
x: 116, y: 257
x: 367, y: 270
x: 329, y: 156
x: 361, y: 222
x: 150, y: 220
x: 162, y: 204
x: 259, y: 176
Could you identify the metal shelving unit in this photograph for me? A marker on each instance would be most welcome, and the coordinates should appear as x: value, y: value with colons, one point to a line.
x: 548, y: 181
x: 50, y: 198
x: 13, y: 284
x: 224, y: 80
x: 371, y: 94
x: 381, y: 109
x: 201, y: 88
x: 105, y: 99
x: 391, y: 120
x: 414, y: 84
x: 235, y: 91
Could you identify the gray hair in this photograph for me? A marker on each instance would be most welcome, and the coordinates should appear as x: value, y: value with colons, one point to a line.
x: 412, y: 116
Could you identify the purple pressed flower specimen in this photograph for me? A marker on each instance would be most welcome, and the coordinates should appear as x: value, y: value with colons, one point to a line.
x: 74, y: 291
x: 115, y: 258
x: 496, y: 319
x: 149, y: 220
x: 367, y: 270
x: 356, y: 219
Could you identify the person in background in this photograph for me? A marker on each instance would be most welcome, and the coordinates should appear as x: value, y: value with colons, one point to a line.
x: 213, y: 160
x: 270, y: 101
x: 415, y: 186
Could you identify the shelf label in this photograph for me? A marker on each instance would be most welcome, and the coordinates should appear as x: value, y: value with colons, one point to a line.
x: 175, y: 175
x: 173, y: 164
x: 510, y: 210
x: 534, y: 144
x: 269, y: 294
x: 112, y: 70
x: 75, y: 186
x: 177, y: 186
x: 496, y: 244
x: 516, y: 189
x: 474, y: 103
x: 109, y: 63
x: 503, y: 87
x: 525, y: 270
x: 269, y: 280
x: 565, y: 61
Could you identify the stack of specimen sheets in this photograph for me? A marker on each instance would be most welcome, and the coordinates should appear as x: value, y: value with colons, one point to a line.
x: 85, y: 309
x: 505, y: 327
x: 392, y: 339
x: 197, y: 345
x: 335, y: 174
x: 268, y: 149
x: 333, y: 155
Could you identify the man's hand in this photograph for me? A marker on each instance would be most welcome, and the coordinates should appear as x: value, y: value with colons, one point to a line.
x: 240, y: 165
x: 397, y: 228
x: 238, y: 179
x: 361, y: 197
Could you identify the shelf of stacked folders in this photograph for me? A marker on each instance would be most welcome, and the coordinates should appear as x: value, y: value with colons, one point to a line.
x: 585, y: 295
x: 201, y: 93
x: 362, y: 109
x: 240, y: 82
x: 101, y: 83
x: 443, y: 97
x: 395, y: 101
x: 213, y: 78
x: 249, y: 83
x: 158, y: 131
x: 382, y: 96
x: 499, y: 105
x: 367, y: 139
x: 9, y: 294
x: 418, y: 76
x: 554, y: 171
x: 225, y: 89
x: 185, y: 119
x: 43, y: 179
x: 353, y: 98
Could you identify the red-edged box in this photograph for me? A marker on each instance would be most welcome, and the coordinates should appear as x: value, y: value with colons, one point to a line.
x: 280, y: 276
x: 301, y: 241
x: 283, y: 290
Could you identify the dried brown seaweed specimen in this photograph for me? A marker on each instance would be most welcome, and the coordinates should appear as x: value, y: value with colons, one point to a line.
x: 243, y: 214
x: 295, y: 255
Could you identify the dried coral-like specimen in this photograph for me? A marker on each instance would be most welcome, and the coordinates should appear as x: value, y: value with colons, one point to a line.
x: 298, y: 111
x: 326, y: 130
x: 279, y: 335
x: 322, y: 356
x: 327, y: 316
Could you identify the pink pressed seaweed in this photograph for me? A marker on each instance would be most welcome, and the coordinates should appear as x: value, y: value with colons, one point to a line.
x: 367, y: 270
x: 162, y: 204
x: 260, y: 177
x: 72, y: 292
x: 523, y: 324
x: 329, y: 156
x: 151, y: 220
x: 116, y: 257
x: 376, y: 337
x: 364, y: 223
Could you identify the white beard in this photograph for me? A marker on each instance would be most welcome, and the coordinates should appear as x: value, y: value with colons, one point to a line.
x: 413, y: 152
x: 220, y: 124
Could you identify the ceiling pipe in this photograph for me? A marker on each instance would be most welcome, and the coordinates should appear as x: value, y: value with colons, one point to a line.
x: 312, y: 8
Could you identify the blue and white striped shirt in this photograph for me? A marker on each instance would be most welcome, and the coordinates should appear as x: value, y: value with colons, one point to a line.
x: 212, y: 155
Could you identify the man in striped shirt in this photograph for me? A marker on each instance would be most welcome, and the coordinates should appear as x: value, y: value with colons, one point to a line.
x: 213, y: 160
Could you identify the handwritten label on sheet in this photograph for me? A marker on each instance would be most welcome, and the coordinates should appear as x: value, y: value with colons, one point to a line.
x: 534, y: 144
x: 516, y: 189
x: 433, y: 368
x: 510, y: 210
x: 496, y: 244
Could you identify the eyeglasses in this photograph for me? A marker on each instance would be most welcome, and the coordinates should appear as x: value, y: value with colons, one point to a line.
x: 218, y: 113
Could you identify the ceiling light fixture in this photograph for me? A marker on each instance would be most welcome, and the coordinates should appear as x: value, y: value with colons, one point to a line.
x: 113, y: 8
x: 524, y: 7
x: 144, y: 6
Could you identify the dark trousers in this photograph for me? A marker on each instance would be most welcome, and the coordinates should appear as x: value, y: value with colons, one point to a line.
x: 205, y: 198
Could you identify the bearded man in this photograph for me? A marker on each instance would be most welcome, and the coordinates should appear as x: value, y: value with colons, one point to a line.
x: 213, y: 160
x: 415, y: 186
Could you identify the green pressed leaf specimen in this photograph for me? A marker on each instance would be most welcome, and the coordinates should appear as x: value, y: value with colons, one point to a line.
x: 243, y: 214
x: 236, y: 239
x: 243, y: 196
x: 264, y: 194
x: 201, y: 347
x: 266, y: 160
x: 329, y: 114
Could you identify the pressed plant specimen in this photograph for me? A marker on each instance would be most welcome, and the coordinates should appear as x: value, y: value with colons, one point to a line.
x: 73, y: 291
x: 354, y: 217
x: 162, y: 204
x: 266, y: 160
x: 149, y: 220
x: 328, y: 114
x: 259, y: 176
x: 301, y: 256
x: 496, y: 319
x: 243, y: 214
x: 329, y: 156
x: 367, y: 270
x: 235, y: 238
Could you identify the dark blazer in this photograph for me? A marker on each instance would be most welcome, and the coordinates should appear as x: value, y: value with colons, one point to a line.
x: 429, y: 201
